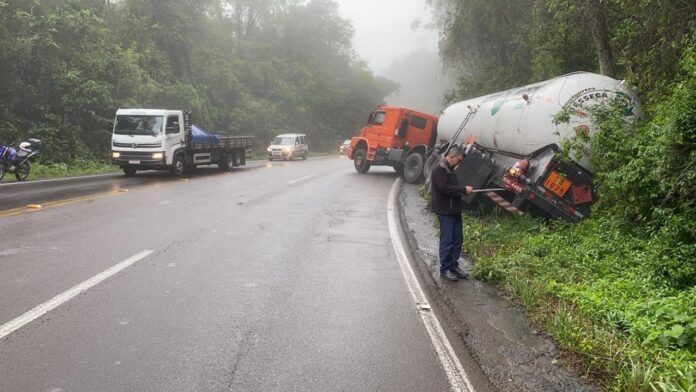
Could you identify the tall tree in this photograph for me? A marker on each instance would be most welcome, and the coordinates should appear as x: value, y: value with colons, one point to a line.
x: 595, y: 13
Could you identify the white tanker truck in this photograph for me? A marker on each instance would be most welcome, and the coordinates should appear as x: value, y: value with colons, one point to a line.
x: 512, y: 143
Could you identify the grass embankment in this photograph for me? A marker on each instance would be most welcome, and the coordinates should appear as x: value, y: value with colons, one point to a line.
x: 57, y: 170
x: 618, y: 290
x: 593, y: 288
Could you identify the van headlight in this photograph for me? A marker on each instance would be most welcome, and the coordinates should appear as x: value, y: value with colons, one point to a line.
x: 158, y: 155
x: 268, y: 149
x: 116, y: 155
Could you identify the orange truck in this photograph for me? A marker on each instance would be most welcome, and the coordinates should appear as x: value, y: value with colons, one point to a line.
x: 397, y: 137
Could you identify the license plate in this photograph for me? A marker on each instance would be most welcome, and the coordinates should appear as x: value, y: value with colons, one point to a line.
x: 557, y: 183
x: 512, y: 184
x: 134, y: 162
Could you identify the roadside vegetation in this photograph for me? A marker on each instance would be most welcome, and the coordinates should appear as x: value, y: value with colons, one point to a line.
x: 617, y: 291
x: 75, y: 168
x: 244, y: 67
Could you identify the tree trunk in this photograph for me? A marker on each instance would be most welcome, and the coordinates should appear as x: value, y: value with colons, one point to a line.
x: 597, y: 20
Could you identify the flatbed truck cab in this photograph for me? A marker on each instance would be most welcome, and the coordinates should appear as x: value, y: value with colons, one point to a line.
x: 395, y: 136
x: 158, y: 139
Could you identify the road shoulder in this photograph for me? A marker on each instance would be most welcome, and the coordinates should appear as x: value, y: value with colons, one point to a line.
x: 496, y: 333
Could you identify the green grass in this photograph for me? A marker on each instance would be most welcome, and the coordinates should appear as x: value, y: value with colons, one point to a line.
x: 588, y: 287
x: 57, y: 170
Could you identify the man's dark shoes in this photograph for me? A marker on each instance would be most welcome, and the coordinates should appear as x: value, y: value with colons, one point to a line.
x: 459, y: 273
x: 449, y: 275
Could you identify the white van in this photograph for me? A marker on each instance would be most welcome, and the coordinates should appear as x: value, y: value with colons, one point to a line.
x: 288, y: 146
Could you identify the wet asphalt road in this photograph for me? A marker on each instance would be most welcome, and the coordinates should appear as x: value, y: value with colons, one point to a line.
x: 18, y: 195
x: 278, y: 277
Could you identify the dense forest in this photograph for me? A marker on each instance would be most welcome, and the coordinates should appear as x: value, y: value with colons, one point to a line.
x: 618, y: 291
x: 492, y: 45
x: 254, y: 67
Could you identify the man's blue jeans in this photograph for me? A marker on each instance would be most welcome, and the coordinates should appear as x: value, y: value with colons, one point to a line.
x: 451, y: 238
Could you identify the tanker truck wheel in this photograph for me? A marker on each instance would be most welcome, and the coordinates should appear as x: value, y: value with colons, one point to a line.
x: 360, y: 161
x: 413, y: 168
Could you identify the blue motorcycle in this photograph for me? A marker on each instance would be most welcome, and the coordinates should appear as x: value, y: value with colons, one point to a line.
x: 16, y: 161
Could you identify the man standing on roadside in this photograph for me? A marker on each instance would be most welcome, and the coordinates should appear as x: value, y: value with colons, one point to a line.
x: 446, y: 201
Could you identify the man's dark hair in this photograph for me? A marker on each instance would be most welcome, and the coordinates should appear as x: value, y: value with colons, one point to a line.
x: 455, y: 151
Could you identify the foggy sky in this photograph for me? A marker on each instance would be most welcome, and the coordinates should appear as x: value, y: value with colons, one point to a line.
x: 383, y: 29
x: 397, y: 40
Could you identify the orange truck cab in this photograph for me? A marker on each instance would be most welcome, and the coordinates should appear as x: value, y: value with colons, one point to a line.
x: 397, y: 137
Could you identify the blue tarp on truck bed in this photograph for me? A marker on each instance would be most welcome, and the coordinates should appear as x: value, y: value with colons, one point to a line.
x: 202, y: 137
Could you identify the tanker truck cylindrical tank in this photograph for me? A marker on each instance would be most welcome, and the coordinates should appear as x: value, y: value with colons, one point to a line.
x: 520, y: 120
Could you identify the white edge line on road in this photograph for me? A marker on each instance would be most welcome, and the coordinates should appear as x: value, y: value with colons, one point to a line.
x: 60, y: 179
x: 458, y: 379
x: 66, y: 296
x: 300, y: 179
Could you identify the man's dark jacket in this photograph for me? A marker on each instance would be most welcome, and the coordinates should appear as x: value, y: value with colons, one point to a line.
x: 445, y: 192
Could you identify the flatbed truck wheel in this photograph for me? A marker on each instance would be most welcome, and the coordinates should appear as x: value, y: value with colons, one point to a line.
x: 226, y: 162
x: 237, y: 158
x: 179, y: 166
x: 129, y: 171
x: 360, y: 161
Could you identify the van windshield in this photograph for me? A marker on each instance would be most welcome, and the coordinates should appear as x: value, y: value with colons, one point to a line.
x: 284, y: 141
x: 138, y: 125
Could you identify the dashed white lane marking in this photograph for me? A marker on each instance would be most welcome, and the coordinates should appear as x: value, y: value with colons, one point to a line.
x: 66, y: 296
x: 300, y: 179
x: 456, y: 375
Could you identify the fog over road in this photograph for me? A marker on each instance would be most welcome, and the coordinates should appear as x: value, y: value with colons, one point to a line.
x: 277, y: 277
